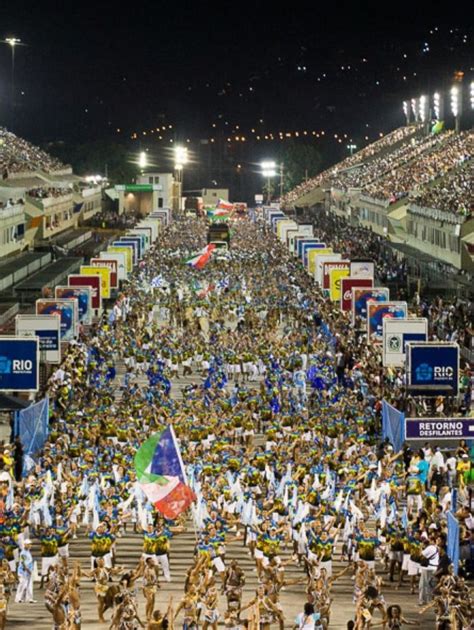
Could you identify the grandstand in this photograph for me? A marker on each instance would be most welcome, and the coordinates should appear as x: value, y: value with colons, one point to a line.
x: 413, y: 188
x: 40, y: 197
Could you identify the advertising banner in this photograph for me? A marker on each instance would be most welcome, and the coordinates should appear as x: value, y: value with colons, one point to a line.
x: 83, y: 295
x: 112, y: 265
x: 377, y: 311
x: 306, y: 249
x: 331, y: 266
x: 130, y: 243
x: 347, y: 284
x: 313, y: 256
x: 48, y: 330
x: 360, y: 297
x: 302, y: 241
x: 320, y: 260
x: 439, y: 428
x: 147, y: 231
x: 275, y: 217
x: 67, y: 311
x: 397, y: 333
x: 77, y: 280
x: 121, y: 263
x: 433, y: 368
x: 19, y: 364
x: 283, y: 225
x: 335, y: 279
x: 104, y: 273
x: 137, y: 240
x: 362, y: 268
x: 128, y: 253
x: 306, y: 229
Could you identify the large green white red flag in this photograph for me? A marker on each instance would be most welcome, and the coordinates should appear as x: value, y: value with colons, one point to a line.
x: 199, y: 260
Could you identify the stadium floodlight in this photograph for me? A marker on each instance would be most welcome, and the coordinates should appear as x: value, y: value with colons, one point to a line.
x: 352, y: 148
x: 180, y: 156
x: 456, y: 105
x: 268, y: 168
x: 423, y: 108
x: 13, y: 42
x: 268, y: 171
x: 472, y: 94
x: 142, y: 160
x: 407, y: 111
x: 437, y: 105
x: 414, y: 108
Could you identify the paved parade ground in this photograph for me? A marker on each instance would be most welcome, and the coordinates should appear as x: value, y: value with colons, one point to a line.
x: 274, y: 400
x: 35, y: 616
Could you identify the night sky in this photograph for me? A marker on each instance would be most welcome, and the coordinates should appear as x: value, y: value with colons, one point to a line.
x: 343, y: 67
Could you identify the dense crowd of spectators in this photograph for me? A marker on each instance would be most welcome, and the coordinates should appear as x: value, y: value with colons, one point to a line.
x: 17, y: 156
x: 48, y: 191
x: 373, y: 170
x: 390, y: 140
x: 110, y: 219
x: 454, y: 193
x: 11, y: 202
x: 449, y: 320
x: 450, y: 152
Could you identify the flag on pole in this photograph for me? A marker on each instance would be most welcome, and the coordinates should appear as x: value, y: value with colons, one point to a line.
x: 222, y: 204
x: 200, y: 259
x: 218, y: 212
x: 161, y: 475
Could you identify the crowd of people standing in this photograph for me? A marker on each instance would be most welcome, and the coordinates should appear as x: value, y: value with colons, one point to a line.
x: 280, y: 435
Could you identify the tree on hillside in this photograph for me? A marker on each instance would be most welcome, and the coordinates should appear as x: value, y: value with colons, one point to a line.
x: 300, y: 161
x: 97, y: 157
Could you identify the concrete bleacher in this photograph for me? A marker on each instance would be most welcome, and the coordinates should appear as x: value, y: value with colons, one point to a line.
x: 71, y: 239
x: 16, y: 268
x: 54, y: 274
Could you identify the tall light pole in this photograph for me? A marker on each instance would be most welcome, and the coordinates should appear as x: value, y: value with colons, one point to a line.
x: 12, y: 42
x: 456, y: 106
x: 180, y: 160
x: 268, y: 171
x: 352, y: 148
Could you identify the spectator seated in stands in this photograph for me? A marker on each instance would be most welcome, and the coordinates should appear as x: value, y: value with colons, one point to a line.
x: 18, y: 156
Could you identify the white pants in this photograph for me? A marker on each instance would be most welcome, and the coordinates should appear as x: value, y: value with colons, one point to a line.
x: 414, y: 501
x: 24, y: 591
x: 165, y: 566
x: 107, y: 560
x: 46, y: 563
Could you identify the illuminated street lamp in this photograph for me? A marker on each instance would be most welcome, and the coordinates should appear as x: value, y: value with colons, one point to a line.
x: 268, y: 171
x: 352, y: 148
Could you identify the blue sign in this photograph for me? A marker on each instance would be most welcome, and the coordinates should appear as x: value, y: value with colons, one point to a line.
x: 306, y: 247
x: 439, y: 428
x: 65, y: 308
x: 302, y: 242
x: 274, y: 217
x: 134, y: 238
x: 48, y: 339
x: 433, y: 368
x: 132, y: 244
x: 19, y: 364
